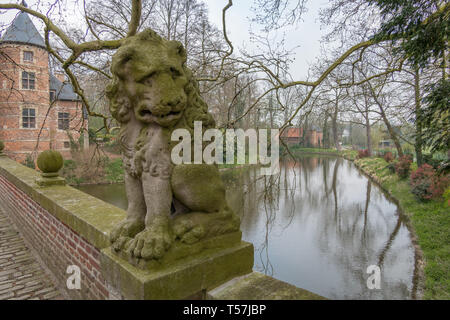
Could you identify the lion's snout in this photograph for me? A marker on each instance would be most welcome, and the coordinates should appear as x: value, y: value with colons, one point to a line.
x: 163, y: 113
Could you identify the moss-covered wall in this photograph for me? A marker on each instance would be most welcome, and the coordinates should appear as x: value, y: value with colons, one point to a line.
x: 68, y: 227
x: 65, y: 226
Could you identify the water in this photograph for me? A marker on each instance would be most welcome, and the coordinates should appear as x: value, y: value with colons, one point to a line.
x: 318, y: 225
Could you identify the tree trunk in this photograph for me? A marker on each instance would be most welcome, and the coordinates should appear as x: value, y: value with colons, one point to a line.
x: 392, y: 134
x: 369, y: 135
x: 325, y: 137
x: 335, y: 128
x: 391, y: 131
x: 271, y: 111
x: 418, y: 142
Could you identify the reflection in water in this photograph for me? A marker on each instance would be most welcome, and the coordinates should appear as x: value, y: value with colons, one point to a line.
x: 318, y: 225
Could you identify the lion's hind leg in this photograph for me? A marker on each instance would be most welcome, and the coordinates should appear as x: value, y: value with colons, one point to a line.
x: 192, y: 227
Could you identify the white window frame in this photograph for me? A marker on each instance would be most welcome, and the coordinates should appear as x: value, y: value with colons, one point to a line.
x: 21, y: 80
x: 24, y: 52
x: 22, y: 116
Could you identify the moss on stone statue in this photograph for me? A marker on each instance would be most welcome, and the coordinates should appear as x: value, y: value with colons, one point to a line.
x: 153, y: 93
x: 2, y: 146
x: 199, y: 186
x: 192, y: 227
x: 179, y: 279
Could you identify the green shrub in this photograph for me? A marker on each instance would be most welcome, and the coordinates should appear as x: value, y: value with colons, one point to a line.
x: 29, y: 162
x: 439, y: 184
x: 69, y: 173
x: 391, y: 167
x: 403, y: 166
x: 114, y: 170
x: 428, y: 159
x: 421, y: 180
x: 446, y: 196
x: 427, y: 184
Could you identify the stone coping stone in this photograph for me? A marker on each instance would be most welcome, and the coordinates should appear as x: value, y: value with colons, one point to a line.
x: 258, y: 286
x: 181, y: 279
x: 88, y: 216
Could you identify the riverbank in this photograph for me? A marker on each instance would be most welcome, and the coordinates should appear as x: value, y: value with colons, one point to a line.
x: 107, y: 170
x: 430, y: 223
x: 347, y: 154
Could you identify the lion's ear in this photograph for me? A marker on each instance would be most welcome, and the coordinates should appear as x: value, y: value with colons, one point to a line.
x: 179, y: 49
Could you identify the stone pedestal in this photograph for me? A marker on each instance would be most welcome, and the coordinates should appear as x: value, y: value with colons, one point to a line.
x: 204, y: 267
x: 50, y: 181
x: 50, y: 162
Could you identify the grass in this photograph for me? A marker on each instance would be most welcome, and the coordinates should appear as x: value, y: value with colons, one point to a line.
x: 430, y: 221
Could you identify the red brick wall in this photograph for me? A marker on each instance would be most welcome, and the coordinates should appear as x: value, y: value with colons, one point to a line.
x: 58, y: 245
x: 21, y: 141
x: 320, y: 139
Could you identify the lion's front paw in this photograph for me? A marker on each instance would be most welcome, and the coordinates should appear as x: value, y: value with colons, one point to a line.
x: 126, y: 229
x: 152, y: 243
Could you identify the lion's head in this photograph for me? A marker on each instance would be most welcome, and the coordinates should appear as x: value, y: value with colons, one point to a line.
x: 151, y: 79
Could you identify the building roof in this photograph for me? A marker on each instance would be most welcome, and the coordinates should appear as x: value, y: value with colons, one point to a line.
x: 22, y: 30
x: 63, y: 91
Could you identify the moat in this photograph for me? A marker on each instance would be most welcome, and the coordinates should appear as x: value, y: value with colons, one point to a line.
x: 318, y: 225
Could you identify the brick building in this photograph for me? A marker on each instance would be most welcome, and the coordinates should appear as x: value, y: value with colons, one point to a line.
x: 310, y: 138
x: 38, y: 110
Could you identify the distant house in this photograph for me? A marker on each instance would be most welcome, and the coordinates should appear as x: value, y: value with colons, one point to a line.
x: 292, y: 136
x: 385, y: 144
x: 38, y: 110
x: 312, y: 137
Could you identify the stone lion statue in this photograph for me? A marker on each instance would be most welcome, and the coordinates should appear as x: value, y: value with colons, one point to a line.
x: 151, y: 94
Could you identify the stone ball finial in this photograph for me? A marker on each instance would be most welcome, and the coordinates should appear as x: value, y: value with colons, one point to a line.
x: 2, y: 146
x: 50, y: 162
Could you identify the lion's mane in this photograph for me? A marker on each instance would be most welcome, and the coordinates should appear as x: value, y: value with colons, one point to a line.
x: 196, y: 108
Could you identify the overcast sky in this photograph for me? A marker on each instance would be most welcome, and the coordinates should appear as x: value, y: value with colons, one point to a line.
x: 306, y: 34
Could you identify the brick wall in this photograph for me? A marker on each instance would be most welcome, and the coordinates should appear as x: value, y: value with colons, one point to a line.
x: 21, y: 141
x: 58, y: 245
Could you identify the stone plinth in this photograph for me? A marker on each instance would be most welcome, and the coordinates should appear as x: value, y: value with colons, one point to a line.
x: 180, y: 279
x: 50, y: 181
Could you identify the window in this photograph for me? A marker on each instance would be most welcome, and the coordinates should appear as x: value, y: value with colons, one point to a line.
x: 63, y: 120
x: 66, y: 144
x: 28, y: 80
x: 28, y: 56
x: 52, y: 95
x: 28, y: 118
